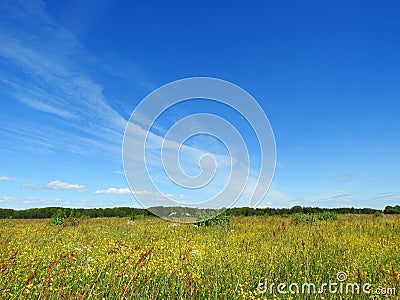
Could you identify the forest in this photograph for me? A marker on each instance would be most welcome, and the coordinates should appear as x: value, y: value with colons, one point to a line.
x: 48, y: 212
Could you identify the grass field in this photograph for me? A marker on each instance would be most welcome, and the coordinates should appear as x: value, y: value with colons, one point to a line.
x: 150, y: 258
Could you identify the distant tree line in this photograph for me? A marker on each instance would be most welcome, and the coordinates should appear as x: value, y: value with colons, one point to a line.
x: 48, y: 212
x: 246, y: 211
x: 392, y: 209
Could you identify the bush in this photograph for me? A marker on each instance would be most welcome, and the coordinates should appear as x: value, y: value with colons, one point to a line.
x: 221, y: 220
x: 136, y: 217
x: 60, y: 218
x: 298, y: 218
x: 325, y: 216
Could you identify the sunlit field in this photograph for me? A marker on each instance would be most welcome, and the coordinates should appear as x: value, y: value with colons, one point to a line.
x: 149, y: 258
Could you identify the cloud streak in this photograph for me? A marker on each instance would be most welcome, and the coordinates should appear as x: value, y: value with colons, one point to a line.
x: 114, y: 191
x: 59, y: 185
x: 29, y: 186
x: 51, y: 79
x: 123, y: 191
x: 386, y: 197
x: 6, y: 199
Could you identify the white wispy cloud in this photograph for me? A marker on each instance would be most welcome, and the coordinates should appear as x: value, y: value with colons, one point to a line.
x: 122, y: 191
x: 24, y: 203
x: 5, y: 178
x: 45, y: 107
x: 52, y: 78
x: 188, y: 157
x: 115, y: 191
x: 59, y: 185
x: 276, y: 198
x: 343, y: 177
x: 329, y: 196
x: 333, y: 197
x: 29, y: 186
x: 338, y: 198
x: 6, y: 199
x: 386, y: 197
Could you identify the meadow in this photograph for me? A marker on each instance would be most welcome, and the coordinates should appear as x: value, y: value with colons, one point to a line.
x: 150, y: 258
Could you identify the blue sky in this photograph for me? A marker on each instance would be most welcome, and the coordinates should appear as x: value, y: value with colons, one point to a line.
x: 326, y: 74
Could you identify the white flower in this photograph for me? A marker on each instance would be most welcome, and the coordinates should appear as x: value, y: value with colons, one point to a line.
x: 88, y: 260
x: 84, y: 248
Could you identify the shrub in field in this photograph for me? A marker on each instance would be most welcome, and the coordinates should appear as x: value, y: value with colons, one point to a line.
x: 136, y: 217
x: 327, y: 216
x: 378, y: 214
x: 222, y: 220
x: 298, y: 218
x: 60, y: 218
